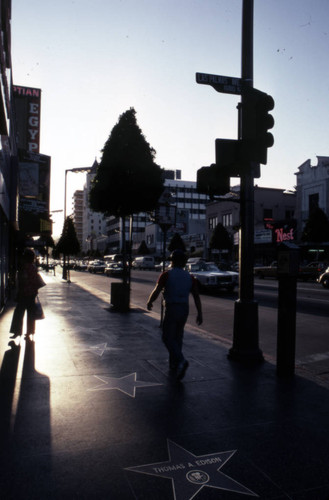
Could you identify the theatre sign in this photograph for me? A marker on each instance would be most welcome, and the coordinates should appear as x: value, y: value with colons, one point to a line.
x: 28, y: 112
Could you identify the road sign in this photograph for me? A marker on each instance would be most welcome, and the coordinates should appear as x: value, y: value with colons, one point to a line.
x: 224, y: 84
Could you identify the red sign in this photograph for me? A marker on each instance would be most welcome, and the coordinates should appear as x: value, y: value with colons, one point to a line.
x: 282, y: 235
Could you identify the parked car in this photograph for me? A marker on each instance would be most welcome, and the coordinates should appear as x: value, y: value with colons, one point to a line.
x: 312, y: 270
x: 114, y: 269
x: 308, y: 272
x: 96, y: 266
x: 270, y: 271
x: 80, y: 265
x: 146, y: 262
x: 159, y: 267
x: 323, y: 279
x: 210, y: 277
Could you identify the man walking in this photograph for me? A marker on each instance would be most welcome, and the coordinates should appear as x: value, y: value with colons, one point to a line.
x: 176, y: 284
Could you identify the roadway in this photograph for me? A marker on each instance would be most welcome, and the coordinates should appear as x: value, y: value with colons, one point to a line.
x: 312, y: 332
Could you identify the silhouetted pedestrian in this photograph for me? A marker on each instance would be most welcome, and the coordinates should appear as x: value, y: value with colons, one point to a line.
x: 29, y: 282
x: 176, y: 284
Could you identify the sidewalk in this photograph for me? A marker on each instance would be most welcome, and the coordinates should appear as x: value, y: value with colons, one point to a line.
x: 88, y: 411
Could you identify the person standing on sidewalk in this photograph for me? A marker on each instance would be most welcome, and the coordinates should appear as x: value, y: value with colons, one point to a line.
x: 176, y: 284
x: 29, y: 282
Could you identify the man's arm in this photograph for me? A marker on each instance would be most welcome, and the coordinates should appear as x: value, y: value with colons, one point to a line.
x: 157, y: 290
x: 154, y: 295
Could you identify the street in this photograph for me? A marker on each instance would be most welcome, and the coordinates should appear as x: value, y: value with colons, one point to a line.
x: 312, y: 346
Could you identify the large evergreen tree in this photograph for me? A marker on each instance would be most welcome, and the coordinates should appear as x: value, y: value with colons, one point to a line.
x: 127, y: 180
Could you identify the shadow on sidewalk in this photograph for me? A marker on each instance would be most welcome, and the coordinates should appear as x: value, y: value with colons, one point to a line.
x: 25, y: 457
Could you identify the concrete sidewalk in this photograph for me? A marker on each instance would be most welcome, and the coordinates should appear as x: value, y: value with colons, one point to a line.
x: 88, y: 410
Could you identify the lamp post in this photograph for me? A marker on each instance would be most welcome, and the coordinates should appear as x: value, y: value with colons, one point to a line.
x: 77, y: 170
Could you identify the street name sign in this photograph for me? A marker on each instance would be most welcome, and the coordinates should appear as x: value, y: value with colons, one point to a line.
x: 224, y: 84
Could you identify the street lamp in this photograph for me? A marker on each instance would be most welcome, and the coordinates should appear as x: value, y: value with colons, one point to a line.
x: 77, y: 170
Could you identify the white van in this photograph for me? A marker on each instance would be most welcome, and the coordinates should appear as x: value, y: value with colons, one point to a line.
x: 146, y: 262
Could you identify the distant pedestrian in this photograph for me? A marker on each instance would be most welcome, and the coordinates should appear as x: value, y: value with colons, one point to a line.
x: 176, y: 284
x: 29, y: 282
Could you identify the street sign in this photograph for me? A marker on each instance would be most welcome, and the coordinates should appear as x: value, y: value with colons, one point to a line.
x: 224, y: 84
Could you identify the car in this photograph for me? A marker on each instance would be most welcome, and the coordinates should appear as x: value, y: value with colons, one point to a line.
x: 96, y: 266
x: 114, y: 269
x: 210, y: 277
x: 159, y: 267
x: 80, y: 265
x: 146, y: 262
x: 270, y: 271
x: 323, y: 279
x: 312, y: 270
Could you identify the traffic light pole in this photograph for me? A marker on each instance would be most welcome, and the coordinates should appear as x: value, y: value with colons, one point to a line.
x: 245, y: 333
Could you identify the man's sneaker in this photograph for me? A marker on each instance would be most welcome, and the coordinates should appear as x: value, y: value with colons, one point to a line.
x: 181, y: 369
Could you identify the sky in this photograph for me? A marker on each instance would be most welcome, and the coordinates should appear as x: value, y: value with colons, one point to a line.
x: 94, y: 59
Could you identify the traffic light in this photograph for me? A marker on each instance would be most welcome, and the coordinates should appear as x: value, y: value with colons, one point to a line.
x: 212, y: 181
x: 228, y: 156
x: 256, y: 121
x: 215, y: 180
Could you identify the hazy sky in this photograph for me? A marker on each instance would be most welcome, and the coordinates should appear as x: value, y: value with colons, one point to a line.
x: 94, y: 59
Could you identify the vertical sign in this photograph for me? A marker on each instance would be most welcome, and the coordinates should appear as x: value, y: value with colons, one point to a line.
x: 34, y: 187
x: 28, y: 111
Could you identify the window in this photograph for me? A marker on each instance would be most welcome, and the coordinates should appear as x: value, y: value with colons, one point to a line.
x: 213, y: 221
x: 227, y: 220
x: 313, y: 202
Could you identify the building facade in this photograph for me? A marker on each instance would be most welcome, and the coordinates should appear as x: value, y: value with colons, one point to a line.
x: 94, y: 223
x: 8, y: 159
x: 190, y: 217
x: 312, y: 192
x: 78, y: 215
x: 274, y: 221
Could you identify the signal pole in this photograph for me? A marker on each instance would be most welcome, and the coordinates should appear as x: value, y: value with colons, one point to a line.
x: 245, y: 332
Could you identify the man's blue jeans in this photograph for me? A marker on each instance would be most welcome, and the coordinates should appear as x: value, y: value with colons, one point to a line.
x: 173, y: 331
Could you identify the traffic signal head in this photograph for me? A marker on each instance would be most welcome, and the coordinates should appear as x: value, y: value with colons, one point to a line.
x: 256, y: 121
x: 213, y: 181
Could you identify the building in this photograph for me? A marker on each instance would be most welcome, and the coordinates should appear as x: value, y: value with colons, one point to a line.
x: 94, y: 223
x: 312, y: 192
x: 274, y: 221
x: 78, y: 214
x: 190, y: 217
x: 8, y: 160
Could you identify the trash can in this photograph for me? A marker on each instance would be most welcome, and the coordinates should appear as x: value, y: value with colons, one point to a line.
x: 120, y: 296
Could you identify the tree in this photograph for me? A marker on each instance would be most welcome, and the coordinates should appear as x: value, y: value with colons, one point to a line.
x: 176, y: 243
x: 143, y: 249
x: 68, y: 244
x: 220, y: 238
x: 127, y: 180
x: 316, y: 229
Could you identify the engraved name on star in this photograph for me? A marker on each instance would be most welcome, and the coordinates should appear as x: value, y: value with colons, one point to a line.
x: 191, y: 473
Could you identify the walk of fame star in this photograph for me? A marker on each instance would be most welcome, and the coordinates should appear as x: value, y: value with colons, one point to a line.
x: 126, y: 384
x: 190, y: 473
x: 101, y: 348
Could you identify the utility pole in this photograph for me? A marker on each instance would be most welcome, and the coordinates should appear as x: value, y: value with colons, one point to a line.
x: 245, y: 333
